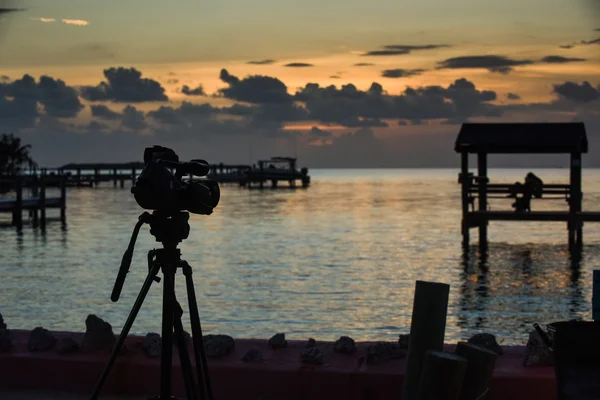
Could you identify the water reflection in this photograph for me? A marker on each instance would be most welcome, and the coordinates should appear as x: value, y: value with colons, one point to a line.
x: 511, y: 286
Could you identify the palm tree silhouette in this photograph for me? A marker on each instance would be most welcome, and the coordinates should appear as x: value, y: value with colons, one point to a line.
x: 14, y: 156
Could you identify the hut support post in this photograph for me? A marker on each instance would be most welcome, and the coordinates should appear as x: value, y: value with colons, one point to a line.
x: 464, y: 180
x: 114, y: 177
x: 63, y: 202
x: 43, y: 202
x: 483, y: 181
x: 35, y: 193
x: 427, y: 330
x: 575, y: 225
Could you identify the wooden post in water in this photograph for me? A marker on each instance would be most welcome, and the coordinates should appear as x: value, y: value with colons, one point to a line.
x: 465, y: 182
x: 35, y: 193
x: 480, y: 367
x: 114, y: 177
x: 427, y: 331
x: 96, y: 176
x: 17, y: 217
x: 63, y: 202
x: 482, y: 182
x: 442, y: 377
x: 43, y: 202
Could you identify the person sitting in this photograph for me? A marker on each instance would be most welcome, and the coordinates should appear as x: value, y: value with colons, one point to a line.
x: 534, y: 184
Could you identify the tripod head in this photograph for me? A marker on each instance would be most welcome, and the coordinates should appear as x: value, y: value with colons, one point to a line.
x: 168, y: 228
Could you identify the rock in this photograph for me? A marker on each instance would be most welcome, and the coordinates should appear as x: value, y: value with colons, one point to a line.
x: 152, y: 344
x: 311, y: 343
x: 6, y: 343
x: 382, y: 352
x: 537, y: 353
x: 278, y: 341
x: 218, y: 346
x: 98, y: 334
x: 487, y: 341
x: 67, y: 346
x: 40, y: 339
x: 312, y: 356
x: 252, y: 355
x: 404, y: 341
x: 344, y: 344
x: 2, y: 324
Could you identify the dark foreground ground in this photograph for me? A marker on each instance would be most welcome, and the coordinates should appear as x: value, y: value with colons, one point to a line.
x: 51, y: 395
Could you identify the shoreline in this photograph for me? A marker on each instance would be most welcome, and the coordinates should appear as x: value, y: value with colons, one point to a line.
x: 280, y: 375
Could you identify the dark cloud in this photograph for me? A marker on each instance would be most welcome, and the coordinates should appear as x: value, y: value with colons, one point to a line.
x: 96, y: 126
x: 103, y: 112
x: 261, y: 62
x: 402, y: 49
x: 561, y: 59
x: 566, y: 46
x: 133, y: 118
x: 254, y: 89
x: 513, y: 96
x: 579, y: 93
x: 493, y: 63
x: 594, y: 41
x: 335, y: 77
x: 10, y: 10
x: 125, y: 85
x: 401, y: 73
x: 19, y: 100
x: 298, y: 65
x: 4, y: 78
x: 319, y: 133
x: 363, y: 64
x: 198, y: 91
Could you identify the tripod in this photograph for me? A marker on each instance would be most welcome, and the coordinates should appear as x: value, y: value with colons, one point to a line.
x: 169, y: 229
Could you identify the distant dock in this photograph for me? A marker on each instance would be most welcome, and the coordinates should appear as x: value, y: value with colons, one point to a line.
x: 36, y: 204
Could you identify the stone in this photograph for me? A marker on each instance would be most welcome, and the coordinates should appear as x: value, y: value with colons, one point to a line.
x: 487, y: 341
x: 217, y: 346
x: 40, y: 339
x: 6, y: 343
x: 536, y: 352
x: 152, y: 344
x: 344, y: 344
x: 404, y: 340
x: 252, y: 355
x: 311, y: 343
x: 278, y: 341
x: 382, y: 352
x: 2, y: 324
x: 67, y: 346
x: 98, y: 334
x: 312, y: 356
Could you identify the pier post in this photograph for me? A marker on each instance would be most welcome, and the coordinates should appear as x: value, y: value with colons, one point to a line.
x: 575, y: 224
x: 42, y: 204
x: 35, y: 193
x: 63, y: 202
x: 96, y: 176
x: 480, y: 367
x: 482, y: 182
x: 114, y: 177
x: 465, y: 181
x: 427, y: 330
x: 17, y: 217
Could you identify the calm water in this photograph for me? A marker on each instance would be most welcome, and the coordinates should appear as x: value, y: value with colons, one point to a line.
x: 340, y: 258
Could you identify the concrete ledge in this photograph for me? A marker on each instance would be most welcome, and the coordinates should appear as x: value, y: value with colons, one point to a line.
x: 280, y: 375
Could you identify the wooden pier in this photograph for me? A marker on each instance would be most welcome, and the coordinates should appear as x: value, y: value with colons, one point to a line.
x: 521, y: 138
x: 36, y: 205
x: 275, y: 170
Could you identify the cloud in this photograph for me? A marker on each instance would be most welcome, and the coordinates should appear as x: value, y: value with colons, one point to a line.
x: 493, y: 63
x: 254, y: 89
x: 401, y: 73
x: 566, y: 46
x: 578, y: 93
x: 335, y: 77
x: 319, y: 133
x: 594, y: 41
x: 43, y: 19
x: 513, y: 96
x: 76, y: 22
x: 561, y: 59
x: 103, y: 112
x: 172, y: 81
x: 6, y: 10
x: 198, y: 91
x: 298, y: 65
x: 402, y: 49
x: 363, y: 64
x: 261, y: 62
x: 133, y: 119
x: 125, y: 85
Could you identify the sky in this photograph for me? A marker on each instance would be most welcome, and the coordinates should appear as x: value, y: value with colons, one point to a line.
x: 336, y: 83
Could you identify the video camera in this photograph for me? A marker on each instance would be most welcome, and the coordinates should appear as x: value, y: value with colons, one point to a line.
x: 158, y: 188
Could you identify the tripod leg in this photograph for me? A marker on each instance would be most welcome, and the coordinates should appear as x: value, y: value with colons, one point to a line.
x: 199, y: 352
x: 130, y: 319
x: 184, y: 357
x: 167, y: 330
